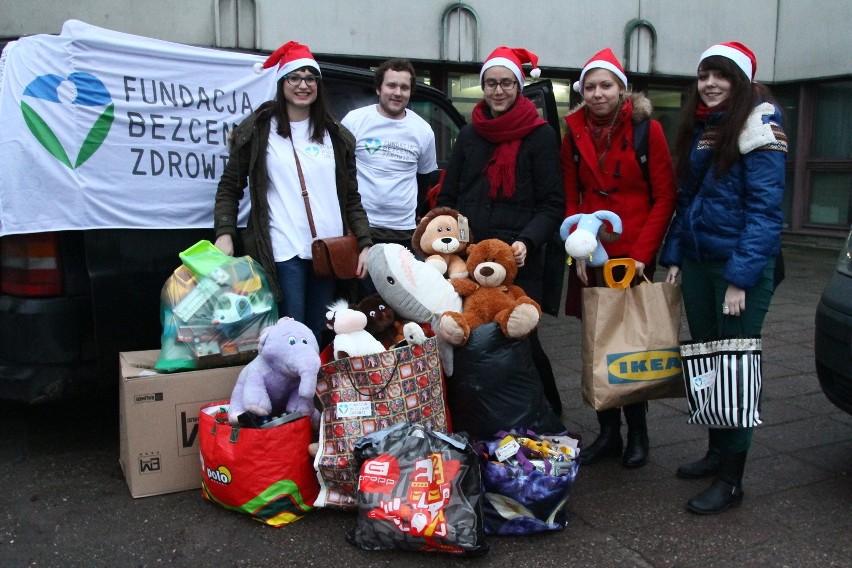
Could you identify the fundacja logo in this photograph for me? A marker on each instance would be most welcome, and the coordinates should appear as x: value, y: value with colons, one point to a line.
x: 82, y: 89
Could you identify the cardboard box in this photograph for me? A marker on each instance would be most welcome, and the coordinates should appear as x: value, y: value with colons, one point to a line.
x: 158, y: 422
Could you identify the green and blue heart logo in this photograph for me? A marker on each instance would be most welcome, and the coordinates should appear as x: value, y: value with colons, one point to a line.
x: 312, y: 151
x: 372, y: 145
x: 82, y: 89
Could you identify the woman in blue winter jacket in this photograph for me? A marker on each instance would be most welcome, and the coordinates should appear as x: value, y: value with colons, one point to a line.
x: 725, y: 239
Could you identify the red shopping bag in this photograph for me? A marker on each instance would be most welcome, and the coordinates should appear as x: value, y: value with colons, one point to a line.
x: 266, y: 473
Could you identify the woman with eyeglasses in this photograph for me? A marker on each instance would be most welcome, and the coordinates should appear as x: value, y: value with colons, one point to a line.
x: 263, y: 155
x: 603, y: 171
x: 504, y: 176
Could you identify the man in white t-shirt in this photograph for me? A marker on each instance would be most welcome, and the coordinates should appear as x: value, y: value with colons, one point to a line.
x: 394, y: 153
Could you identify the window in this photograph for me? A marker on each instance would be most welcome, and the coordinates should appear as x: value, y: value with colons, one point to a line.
x: 446, y: 131
x: 829, y: 162
x: 833, y: 121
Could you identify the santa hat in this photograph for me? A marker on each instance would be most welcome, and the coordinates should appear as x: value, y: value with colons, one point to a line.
x: 513, y: 59
x: 604, y: 59
x: 289, y: 57
x: 736, y: 52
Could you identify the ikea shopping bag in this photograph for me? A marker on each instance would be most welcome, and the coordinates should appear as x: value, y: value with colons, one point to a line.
x: 631, y: 347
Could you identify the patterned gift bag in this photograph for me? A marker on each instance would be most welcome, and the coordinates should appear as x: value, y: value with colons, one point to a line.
x: 361, y: 395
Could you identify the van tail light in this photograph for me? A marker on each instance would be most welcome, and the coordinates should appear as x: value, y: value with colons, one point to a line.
x: 29, y: 265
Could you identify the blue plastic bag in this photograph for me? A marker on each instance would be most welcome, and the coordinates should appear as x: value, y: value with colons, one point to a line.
x: 527, y: 481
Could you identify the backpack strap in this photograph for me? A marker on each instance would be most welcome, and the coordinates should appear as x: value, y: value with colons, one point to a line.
x: 576, y: 155
x: 640, y: 146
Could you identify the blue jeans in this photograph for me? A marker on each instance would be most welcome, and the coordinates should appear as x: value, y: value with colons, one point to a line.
x: 305, y: 297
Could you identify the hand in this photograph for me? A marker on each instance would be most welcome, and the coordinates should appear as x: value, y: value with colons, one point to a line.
x: 361, y: 271
x: 672, y: 274
x: 734, y: 301
x: 225, y: 243
x: 581, y: 271
x: 520, y: 251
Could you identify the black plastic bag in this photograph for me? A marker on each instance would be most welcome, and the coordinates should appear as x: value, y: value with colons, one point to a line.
x: 418, y: 490
x: 495, y: 386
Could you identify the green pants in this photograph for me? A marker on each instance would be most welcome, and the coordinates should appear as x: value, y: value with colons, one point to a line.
x: 703, y: 286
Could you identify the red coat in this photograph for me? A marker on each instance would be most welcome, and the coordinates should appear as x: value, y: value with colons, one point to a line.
x: 645, y: 212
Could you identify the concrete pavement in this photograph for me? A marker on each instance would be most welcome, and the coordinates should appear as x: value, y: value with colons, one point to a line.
x: 64, y: 502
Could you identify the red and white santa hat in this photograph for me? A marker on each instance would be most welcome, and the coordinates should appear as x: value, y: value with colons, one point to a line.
x: 289, y: 57
x: 604, y: 59
x: 736, y: 52
x: 513, y: 59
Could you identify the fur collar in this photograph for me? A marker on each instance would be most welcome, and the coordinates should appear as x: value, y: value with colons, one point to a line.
x: 642, y: 107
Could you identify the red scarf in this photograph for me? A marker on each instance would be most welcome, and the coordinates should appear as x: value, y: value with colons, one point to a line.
x: 702, y: 110
x: 507, y: 131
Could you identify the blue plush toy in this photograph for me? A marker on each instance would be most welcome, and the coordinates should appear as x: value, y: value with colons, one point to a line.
x: 584, y: 241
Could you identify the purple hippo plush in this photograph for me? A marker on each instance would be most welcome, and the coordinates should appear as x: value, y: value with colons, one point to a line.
x: 283, y: 376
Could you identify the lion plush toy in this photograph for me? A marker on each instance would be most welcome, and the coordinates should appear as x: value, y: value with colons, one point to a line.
x: 489, y: 295
x: 439, y: 241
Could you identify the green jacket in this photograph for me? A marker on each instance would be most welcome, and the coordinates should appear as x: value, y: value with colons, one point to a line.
x: 247, y: 166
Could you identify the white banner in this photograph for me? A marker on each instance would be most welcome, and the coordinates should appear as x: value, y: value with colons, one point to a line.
x: 103, y: 129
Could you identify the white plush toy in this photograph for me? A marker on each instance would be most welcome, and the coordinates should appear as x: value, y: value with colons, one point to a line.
x: 583, y: 242
x: 351, y: 339
x: 415, y: 290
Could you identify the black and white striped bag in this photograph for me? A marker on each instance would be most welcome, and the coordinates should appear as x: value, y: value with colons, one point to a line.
x: 723, y: 380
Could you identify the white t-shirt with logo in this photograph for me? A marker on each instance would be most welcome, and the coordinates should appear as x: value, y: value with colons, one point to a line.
x: 288, y: 220
x: 390, y: 153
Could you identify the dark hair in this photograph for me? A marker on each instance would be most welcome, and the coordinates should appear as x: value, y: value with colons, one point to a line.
x: 739, y: 104
x: 320, y: 116
x: 396, y: 64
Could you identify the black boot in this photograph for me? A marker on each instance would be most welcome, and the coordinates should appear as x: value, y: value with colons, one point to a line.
x: 608, y: 443
x: 708, y: 466
x: 636, y: 452
x: 726, y: 491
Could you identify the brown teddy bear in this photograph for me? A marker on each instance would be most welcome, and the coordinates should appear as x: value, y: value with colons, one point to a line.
x: 381, y: 320
x: 440, y: 243
x: 489, y: 295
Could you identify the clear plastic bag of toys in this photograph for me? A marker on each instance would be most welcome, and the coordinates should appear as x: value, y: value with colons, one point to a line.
x: 213, y: 308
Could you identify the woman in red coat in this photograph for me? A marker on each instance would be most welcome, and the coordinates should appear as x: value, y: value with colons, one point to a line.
x: 607, y: 175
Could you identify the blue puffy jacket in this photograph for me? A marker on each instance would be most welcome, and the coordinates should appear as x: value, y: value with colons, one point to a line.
x: 736, y: 218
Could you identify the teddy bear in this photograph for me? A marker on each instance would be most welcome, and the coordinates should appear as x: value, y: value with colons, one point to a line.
x: 584, y: 241
x: 351, y: 339
x: 440, y: 241
x: 283, y: 376
x: 381, y: 320
x: 490, y: 296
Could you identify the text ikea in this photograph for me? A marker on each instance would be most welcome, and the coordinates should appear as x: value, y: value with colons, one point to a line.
x: 654, y: 365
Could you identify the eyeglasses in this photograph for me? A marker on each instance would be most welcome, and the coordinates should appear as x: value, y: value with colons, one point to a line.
x: 505, y: 84
x: 296, y: 80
